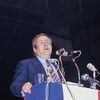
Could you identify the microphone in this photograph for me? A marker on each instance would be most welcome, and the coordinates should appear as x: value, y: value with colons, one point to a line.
x: 86, y: 77
x: 75, y: 51
x: 61, y: 52
x: 64, y: 53
x: 93, y: 82
x: 91, y: 67
x: 53, y: 60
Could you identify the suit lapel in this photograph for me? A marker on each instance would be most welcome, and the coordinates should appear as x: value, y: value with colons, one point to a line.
x: 39, y: 66
x: 40, y: 69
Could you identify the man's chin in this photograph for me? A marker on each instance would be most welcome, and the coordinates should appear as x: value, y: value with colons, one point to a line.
x: 47, y: 55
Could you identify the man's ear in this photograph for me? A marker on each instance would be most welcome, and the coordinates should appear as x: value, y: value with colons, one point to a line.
x: 34, y: 49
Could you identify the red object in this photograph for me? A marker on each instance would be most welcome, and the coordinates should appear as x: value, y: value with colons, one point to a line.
x: 99, y: 95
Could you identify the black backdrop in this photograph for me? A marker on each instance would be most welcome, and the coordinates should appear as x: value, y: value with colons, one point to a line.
x: 75, y: 22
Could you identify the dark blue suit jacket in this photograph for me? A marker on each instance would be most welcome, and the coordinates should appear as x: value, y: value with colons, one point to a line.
x: 26, y: 71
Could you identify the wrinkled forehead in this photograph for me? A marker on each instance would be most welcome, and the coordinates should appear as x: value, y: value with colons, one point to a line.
x: 40, y: 38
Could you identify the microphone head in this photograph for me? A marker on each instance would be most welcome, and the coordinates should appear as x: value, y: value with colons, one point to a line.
x: 61, y: 52
x: 76, y: 51
x: 53, y: 60
x: 91, y: 67
x: 65, y: 54
x: 85, y: 77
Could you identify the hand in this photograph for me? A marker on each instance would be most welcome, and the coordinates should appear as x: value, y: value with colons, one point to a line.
x: 27, y: 87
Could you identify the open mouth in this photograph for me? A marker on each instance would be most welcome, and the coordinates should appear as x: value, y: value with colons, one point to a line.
x: 46, y: 49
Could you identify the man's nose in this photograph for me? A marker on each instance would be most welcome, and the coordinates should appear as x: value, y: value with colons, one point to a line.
x: 45, y: 43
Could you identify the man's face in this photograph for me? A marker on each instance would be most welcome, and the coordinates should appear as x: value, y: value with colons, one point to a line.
x: 43, y: 47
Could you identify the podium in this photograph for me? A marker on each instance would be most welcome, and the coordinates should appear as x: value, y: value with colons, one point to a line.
x: 59, y: 91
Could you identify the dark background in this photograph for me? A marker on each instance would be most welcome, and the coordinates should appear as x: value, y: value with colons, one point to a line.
x: 76, y: 22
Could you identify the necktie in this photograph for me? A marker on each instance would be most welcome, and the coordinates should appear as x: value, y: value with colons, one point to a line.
x: 51, y: 72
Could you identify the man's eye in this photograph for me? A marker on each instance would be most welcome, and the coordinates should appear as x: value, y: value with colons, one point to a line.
x: 42, y: 42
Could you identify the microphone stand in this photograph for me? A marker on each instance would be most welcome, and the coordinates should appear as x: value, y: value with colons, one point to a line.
x: 94, y: 74
x: 63, y: 79
x: 78, y: 71
x: 61, y: 64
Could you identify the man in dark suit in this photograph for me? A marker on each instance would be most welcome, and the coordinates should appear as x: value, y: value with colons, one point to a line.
x: 27, y: 69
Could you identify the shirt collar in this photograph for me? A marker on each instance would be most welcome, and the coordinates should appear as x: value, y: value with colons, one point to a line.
x: 41, y: 59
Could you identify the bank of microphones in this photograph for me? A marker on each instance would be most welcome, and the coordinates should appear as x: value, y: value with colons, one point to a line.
x: 63, y: 52
x: 92, y: 80
x: 85, y: 77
